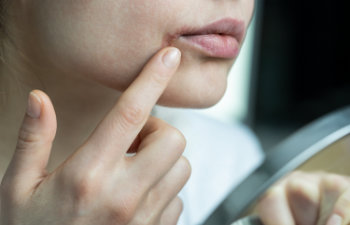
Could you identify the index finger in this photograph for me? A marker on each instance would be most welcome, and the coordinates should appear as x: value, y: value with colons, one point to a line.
x: 117, y: 131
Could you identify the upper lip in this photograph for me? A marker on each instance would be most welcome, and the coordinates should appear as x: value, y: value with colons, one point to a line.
x: 226, y: 26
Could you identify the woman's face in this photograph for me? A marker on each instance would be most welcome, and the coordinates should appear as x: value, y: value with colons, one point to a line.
x: 110, y: 41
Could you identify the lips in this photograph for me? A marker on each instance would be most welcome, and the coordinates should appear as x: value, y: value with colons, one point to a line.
x: 221, y: 39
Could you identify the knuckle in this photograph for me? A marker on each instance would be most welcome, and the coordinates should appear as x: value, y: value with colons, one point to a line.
x: 121, y: 216
x: 27, y: 138
x: 132, y: 114
x: 334, y: 182
x: 175, y: 138
x: 86, y: 187
x: 158, y: 76
x: 295, y: 185
x: 124, y: 208
x: 301, y: 188
x: 179, y: 203
x: 82, y: 190
x: 158, y: 79
x: 186, y: 167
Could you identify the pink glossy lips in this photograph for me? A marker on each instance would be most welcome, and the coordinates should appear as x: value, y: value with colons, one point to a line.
x: 216, y: 45
x: 220, y: 39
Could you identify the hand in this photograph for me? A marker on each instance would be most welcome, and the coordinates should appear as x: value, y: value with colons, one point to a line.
x: 307, y: 199
x: 99, y: 184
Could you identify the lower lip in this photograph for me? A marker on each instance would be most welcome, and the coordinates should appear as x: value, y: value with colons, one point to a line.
x: 214, y: 45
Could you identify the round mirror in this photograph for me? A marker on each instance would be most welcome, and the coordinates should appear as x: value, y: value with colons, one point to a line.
x: 324, y: 145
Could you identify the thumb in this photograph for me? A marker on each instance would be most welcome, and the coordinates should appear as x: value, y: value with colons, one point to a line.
x: 34, y: 141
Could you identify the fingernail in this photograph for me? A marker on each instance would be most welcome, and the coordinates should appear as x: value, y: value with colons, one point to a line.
x: 171, y: 57
x: 335, y: 220
x: 34, y: 106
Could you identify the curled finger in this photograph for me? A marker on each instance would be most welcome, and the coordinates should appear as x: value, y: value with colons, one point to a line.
x: 160, y: 148
x: 171, y: 184
x: 172, y: 212
x: 332, y: 187
x: 341, y: 210
x: 162, y: 197
x: 303, y: 196
x: 273, y: 208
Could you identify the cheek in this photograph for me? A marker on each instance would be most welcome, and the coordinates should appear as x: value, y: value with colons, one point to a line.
x: 106, y: 40
x: 249, y: 8
x: 102, y: 43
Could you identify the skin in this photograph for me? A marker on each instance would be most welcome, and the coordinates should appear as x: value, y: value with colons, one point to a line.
x: 101, y: 63
x: 307, y: 199
x: 106, y: 187
x: 115, y: 30
x: 80, y: 52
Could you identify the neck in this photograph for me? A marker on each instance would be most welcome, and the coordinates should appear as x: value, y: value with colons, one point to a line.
x: 79, y: 103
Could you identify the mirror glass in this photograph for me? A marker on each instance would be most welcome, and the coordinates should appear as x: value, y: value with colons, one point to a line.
x: 323, y: 145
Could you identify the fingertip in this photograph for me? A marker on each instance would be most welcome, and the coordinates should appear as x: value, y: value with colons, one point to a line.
x: 187, y: 167
x: 42, y: 96
x: 335, y: 220
x: 34, y: 106
x: 171, y: 57
x: 341, y: 210
x: 40, y: 114
x: 47, y: 108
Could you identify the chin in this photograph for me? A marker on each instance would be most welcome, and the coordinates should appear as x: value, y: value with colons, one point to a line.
x: 189, y: 102
x: 199, y: 84
x: 193, y: 96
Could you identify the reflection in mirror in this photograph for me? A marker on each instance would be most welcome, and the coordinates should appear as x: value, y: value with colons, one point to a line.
x: 324, y: 145
x: 334, y: 159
